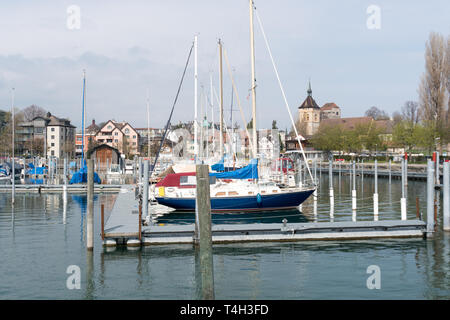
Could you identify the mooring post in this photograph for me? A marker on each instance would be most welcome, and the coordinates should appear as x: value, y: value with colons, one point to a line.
x: 350, y: 176
x: 65, y: 175
x: 354, y: 187
x: 145, y: 193
x: 446, y: 191
x: 13, y: 180
x: 102, y: 220
x: 403, y: 199
x: 406, y: 175
x: 330, y: 176
x: 140, y: 222
x: 315, y: 171
x: 430, y: 198
x: 389, y: 171
x: 315, y: 188
x: 320, y: 169
x: 90, y: 206
x: 375, y: 195
x: 203, y: 211
x: 140, y: 175
x: 417, y: 208
x: 438, y: 177
x: 362, y: 170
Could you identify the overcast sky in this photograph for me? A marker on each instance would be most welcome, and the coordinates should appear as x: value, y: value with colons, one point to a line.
x: 129, y: 46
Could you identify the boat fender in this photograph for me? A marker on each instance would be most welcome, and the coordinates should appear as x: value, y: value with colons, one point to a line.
x: 258, y: 199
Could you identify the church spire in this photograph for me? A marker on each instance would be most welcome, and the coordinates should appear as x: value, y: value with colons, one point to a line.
x: 309, y: 89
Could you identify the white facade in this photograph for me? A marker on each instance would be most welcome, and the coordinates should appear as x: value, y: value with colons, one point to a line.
x: 60, y: 140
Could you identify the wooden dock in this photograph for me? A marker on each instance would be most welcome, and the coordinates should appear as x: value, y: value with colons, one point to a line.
x: 287, y: 232
x: 122, y: 227
x: 58, y: 188
x: 123, y: 222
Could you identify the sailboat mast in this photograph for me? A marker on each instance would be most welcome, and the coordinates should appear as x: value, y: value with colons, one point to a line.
x: 13, y: 165
x: 148, y: 124
x: 83, y: 117
x: 221, y: 101
x: 207, y: 125
x: 252, y: 56
x: 212, y: 115
x: 195, y: 100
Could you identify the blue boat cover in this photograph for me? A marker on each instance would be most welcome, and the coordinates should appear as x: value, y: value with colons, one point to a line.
x: 37, y: 170
x: 81, y: 176
x: 219, y: 165
x: 247, y: 172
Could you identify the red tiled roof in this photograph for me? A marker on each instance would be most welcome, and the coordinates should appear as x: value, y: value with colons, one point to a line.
x: 329, y: 106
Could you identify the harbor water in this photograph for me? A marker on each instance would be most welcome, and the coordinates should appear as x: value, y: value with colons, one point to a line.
x: 42, y: 236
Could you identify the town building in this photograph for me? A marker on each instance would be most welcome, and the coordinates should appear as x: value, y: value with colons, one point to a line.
x: 104, y: 156
x: 309, y: 115
x: 60, y: 137
x: 120, y: 135
x: 46, y: 135
x: 330, y: 111
x: 89, y: 138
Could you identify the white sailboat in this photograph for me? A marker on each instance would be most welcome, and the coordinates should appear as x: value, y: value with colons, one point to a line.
x: 235, y: 191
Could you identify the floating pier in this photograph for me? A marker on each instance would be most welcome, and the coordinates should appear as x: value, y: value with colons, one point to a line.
x: 288, y: 231
x: 122, y: 227
x: 57, y: 188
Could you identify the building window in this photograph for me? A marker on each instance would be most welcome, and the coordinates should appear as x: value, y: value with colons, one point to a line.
x: 134, y: 143
x: 134, y: 137
x: 53, y: 152
x: 109, y: 127
x: 53, y: 129
x: 116, y: 141
x: 127, y: 130
x: 307, y: 117
x: 53, y: 144
x: 53, y: 137
x: 79, y: 139
x: 116, y: 133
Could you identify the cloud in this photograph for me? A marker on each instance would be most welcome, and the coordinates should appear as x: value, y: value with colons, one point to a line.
x: 130, y: 47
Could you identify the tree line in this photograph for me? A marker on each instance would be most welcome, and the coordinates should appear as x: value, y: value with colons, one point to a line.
x: 423, y: 125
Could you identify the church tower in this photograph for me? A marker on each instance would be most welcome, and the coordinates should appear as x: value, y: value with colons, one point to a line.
x: 309, y: 115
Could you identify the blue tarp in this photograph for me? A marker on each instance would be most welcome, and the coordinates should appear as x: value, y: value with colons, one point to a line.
x: 247, y: 172
x: 37, y: 170
x: 219, y: 165
x: 81, y: 176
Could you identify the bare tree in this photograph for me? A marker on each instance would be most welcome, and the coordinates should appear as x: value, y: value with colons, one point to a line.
x: 397, y: 117
x: 376, y: 114
x: 433, y: 84
x: 410, y: 112
x: 33, y: 111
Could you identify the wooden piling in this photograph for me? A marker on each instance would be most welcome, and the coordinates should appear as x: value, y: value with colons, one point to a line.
x: 90, y: 206
x: 140, y: 222
x: 417, y: 208
x: 203, y: 210
x: 446, y: 201
x: 145, y: 193
x: 375, y: 195
x: 103, y: 220
x: 430, y: 198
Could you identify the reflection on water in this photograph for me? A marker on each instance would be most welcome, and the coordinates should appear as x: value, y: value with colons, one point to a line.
x: 43, y: 234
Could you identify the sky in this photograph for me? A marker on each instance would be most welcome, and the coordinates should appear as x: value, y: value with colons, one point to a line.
x: 129, y: 48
